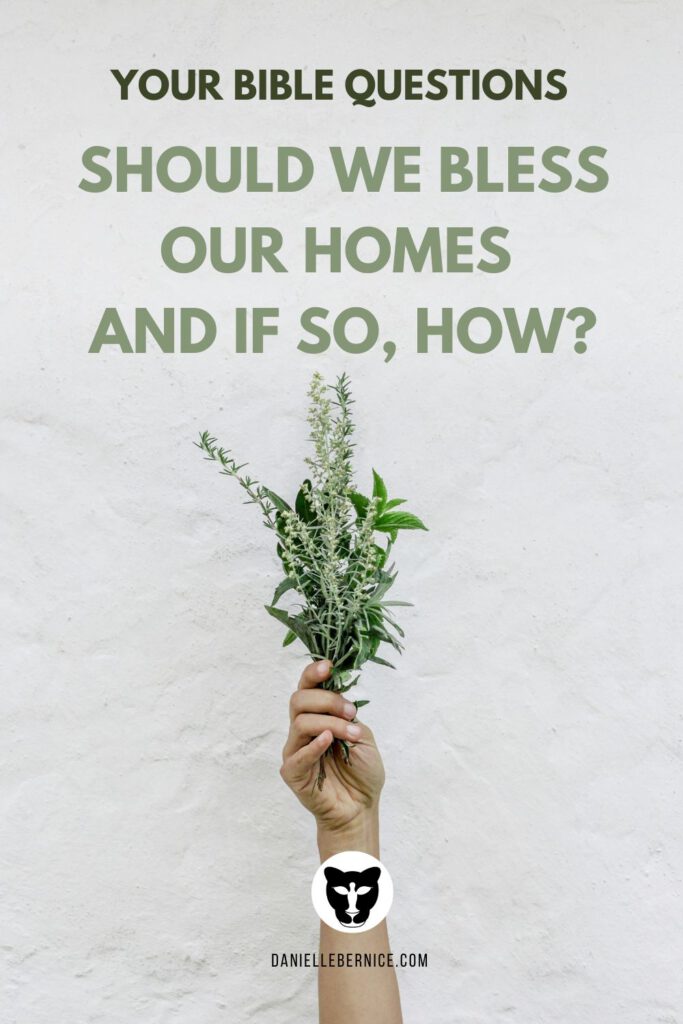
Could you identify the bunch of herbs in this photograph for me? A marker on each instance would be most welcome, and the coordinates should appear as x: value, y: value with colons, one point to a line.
x: 335, y: 547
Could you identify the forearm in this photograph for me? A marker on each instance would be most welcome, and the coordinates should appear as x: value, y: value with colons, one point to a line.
x: 356, y: 995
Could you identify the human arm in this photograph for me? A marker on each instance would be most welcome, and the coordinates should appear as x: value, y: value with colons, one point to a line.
x: 346, y: 809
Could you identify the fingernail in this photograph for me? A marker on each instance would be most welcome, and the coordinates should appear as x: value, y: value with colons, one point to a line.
x: 353, y: 731
x: 323, y: 669
x: 349, y: 709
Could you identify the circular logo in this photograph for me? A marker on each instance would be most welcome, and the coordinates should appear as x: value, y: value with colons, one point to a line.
x: 352, y: 891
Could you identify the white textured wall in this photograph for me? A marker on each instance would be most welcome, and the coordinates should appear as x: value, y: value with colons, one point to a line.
x: 151, y: 857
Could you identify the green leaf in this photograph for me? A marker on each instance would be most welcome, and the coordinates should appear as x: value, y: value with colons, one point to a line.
x: 394, y: 625
x: 282, y: 588
x: 363, y: 652
x: 301, y: 505
x: 347, y: 686
x: 392, y: 521
x: 381, y: 555
x: 360, y: 703
x: 397, y: 604
x: 280, y: 503
x: 384, y: 582
x: 294, y: 623
x: 381, y: 661
x: 360, y: 503
x: 379, y: 490
x: 290, y: 637
x: 394, y: 502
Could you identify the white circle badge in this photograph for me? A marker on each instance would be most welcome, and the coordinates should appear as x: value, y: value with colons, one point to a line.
x: 352, y: 891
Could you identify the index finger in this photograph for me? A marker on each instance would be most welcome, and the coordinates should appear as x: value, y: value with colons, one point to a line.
x: 314, y: 674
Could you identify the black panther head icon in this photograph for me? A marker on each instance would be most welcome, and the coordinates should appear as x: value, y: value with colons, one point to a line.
x: 352, y: 894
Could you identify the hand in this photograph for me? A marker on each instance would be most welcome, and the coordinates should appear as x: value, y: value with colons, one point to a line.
x: 346, y: 805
